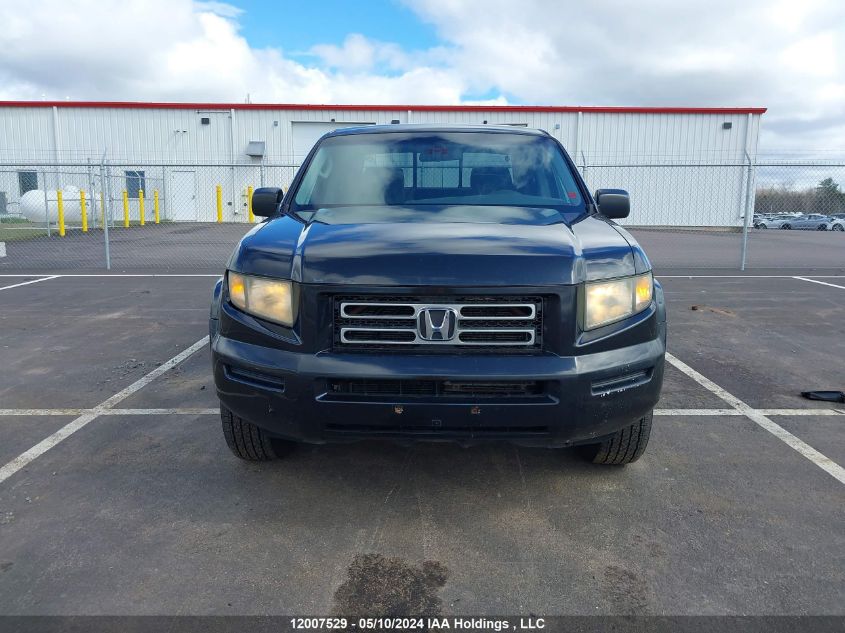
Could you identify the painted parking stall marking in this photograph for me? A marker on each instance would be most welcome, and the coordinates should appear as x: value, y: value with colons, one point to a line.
x: 717, y: 413
x: 823, y: 283
x: 820, y: 460
x: 104, y: 408
x: 32, y: 281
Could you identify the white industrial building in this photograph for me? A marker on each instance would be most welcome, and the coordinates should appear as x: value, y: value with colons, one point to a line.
x: 682, y: 166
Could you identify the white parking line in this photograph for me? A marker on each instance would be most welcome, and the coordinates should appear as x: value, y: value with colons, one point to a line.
x: 744, y: 276
x: 820, y: 460
x: 188, y: 411
x: 218, y: 275
x: 802, y: 412
x: 33, y: 281
x: 42, y: 412
x: 103, y: 408
x: 115, y: 275
x: 816, y: 281
x: 736, y: 412
x: 215, y: 411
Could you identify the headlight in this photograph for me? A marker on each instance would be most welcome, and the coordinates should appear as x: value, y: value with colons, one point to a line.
x: 609, y: 301
x: 270, y: 299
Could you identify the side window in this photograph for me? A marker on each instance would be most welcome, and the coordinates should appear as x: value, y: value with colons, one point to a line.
x: 134, y: 183
x: 27, y: 181
x: 318, y: 169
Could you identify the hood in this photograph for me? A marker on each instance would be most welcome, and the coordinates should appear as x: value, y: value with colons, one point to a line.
x: 436, y: 253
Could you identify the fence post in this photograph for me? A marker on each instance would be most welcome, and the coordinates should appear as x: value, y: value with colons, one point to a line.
x: 155, y: 206
x: 105, y: 186
x: 748, y: 209
x: 164, y: 173
x: 102, y: 207
x: 250, y: 214
x: 141, y: 206
x: 125, y: 209
x: 83, y: 209
x: 60, y: 208
x: 92, y: 192
x: 219, y: 204
x: 46, y: 204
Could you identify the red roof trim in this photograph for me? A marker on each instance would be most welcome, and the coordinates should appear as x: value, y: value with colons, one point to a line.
x: 377, y: 108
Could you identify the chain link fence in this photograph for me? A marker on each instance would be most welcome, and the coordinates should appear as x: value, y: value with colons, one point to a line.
x: 181, y: 217
x: 127, y: 216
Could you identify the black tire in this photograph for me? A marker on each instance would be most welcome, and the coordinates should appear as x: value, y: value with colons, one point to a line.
x: 837, y: 227
x: 786, y: 226
x: 822, y: 227
x: 250, y: 442
x: 625, y: 447
x: 762, y: 226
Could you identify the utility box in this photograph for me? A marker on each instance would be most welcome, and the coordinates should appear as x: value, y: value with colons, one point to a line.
x: 255, y: 149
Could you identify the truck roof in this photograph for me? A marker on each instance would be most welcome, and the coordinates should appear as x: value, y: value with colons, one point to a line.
x: 425, y: 127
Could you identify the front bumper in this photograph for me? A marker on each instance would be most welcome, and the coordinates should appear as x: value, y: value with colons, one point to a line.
x: 584, y: 398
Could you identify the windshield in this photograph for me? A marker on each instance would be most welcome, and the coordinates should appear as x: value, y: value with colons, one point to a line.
x: 444, y: 176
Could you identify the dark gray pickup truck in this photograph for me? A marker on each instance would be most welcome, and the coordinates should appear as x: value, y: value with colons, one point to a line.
x: 441, y: 284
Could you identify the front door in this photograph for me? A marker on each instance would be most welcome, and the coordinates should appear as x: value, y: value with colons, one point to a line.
x: 183, y: 196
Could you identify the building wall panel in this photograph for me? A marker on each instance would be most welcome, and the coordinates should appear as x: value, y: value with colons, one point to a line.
x: 681, y: 167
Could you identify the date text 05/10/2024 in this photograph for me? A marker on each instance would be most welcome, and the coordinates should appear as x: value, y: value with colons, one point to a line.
x: 423, y: 624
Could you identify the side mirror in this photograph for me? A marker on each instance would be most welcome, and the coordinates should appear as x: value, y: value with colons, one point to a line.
x: 266, y: 201
x: 613, y: 203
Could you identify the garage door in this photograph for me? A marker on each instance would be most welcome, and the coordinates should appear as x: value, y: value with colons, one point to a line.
x: 305, y: 133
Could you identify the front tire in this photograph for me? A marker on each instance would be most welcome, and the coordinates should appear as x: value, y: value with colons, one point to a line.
x: 786, y: 226
x: 624, y: 447
x: 250, y: 442
x: 837, y: 227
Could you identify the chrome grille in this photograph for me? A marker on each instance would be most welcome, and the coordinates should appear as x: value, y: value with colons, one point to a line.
x: 477, y: 322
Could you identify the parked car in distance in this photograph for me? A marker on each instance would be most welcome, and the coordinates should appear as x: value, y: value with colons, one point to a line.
x: 811, y: 222
x: 770, y: 222
x: 439, y: 284
x: 837, y: 222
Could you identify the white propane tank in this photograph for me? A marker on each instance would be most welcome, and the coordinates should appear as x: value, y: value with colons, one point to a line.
x: 32, y: 205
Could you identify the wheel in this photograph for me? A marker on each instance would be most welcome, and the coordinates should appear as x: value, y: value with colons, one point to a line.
x: 250, y: 442
x: 624, y: 447
x: 838, y: 227
x: 786, y: 226
x: 762, y: 226
x: 822, y: 227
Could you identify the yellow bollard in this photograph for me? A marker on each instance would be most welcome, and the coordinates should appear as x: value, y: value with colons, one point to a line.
x: 141, y: 205
x: 60, y: 205
x: 102, y: 209
x: 84, y: 210
x: 219, y: 204
x: 250, y: 214
x: 155, y: 205
x: 125, y: 209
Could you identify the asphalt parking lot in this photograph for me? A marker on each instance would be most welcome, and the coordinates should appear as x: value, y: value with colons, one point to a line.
x: 196, y: 247
x: 119, y: 496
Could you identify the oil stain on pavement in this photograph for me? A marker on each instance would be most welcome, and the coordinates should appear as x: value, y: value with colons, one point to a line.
x: 380, y: 586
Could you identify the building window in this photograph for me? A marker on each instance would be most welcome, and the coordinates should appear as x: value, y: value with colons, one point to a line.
x: 27, y: 181
x: 134, y: 183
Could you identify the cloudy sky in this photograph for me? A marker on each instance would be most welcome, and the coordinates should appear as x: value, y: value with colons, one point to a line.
x: 788, y: 56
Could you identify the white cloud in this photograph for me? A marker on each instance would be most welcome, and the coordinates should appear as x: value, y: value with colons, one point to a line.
x: 787, y: 56
x: 183, y: 51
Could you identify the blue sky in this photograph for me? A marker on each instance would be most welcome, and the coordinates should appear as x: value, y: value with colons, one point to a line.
x: 556, y: 52
x: 297, y: 26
